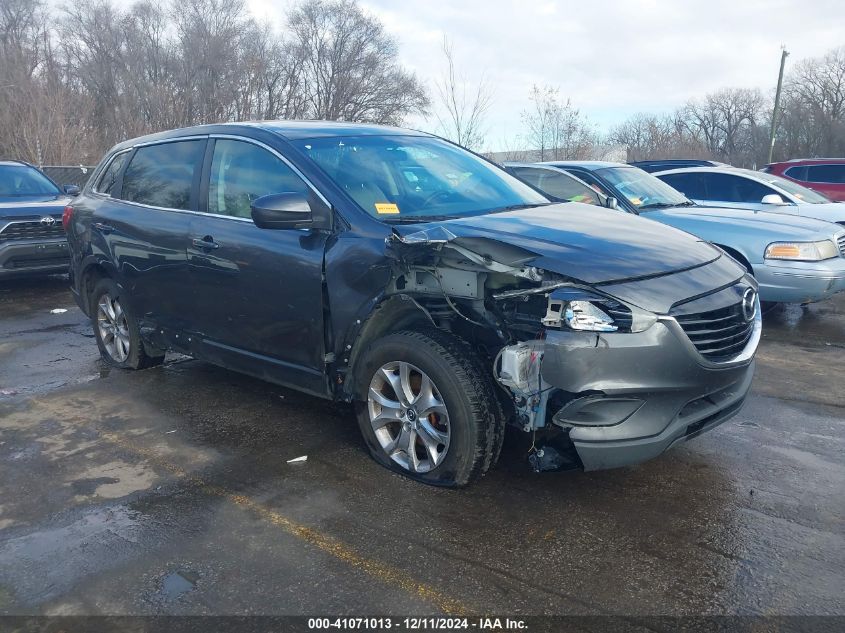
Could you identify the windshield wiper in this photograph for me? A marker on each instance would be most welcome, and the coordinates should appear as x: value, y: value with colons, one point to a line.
x: 417, y: 219
x: 656, y: 205
x: 517, y: 207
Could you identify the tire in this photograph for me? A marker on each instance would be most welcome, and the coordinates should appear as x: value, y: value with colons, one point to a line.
x: 116, y: 331
x: 464, y: 411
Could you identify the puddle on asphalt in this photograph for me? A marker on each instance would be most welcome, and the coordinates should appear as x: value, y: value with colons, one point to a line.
x: 178, y: 583
x: 824, y: 320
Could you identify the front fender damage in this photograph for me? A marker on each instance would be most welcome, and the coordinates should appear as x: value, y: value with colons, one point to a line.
x: 490, y: 294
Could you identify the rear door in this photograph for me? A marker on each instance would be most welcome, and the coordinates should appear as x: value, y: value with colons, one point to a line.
x: 737, y: 192
x: 256, y: 294
x: 141, y: 221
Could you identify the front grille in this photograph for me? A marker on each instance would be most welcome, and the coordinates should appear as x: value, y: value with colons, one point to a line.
x: 841, y: 241
x: 718, y: 335
x: 18, y: 263
x: 33, y: 230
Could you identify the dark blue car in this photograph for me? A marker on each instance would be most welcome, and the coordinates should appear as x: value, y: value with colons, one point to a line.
x: 32, y: 240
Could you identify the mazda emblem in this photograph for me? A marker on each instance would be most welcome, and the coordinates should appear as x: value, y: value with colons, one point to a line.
x: 749, y: 304
x: 48, y: 221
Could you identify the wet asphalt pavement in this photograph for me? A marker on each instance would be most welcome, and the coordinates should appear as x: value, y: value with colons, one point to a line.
x: 168, y: 491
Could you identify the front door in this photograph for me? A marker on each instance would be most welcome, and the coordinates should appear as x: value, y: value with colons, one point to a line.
x: 256, y: 294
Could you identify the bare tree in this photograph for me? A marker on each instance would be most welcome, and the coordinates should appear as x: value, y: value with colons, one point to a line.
x: 538, y: 119
x: 813, y: 121
x: 350, y: 65
x: 210, y: 35
x: 557, y: 131
x: 724, y: 123
x: 462, y: 111
x: 572, y: 137
x: 653, y: 136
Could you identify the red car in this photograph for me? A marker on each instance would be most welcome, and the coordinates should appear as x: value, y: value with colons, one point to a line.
x: 825, y: 175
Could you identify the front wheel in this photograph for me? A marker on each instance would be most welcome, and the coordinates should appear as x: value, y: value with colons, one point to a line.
x: 427, y: 409
x: 116, y: 329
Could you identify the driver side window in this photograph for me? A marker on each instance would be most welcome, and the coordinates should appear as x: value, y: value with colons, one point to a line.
x: 242, y: 172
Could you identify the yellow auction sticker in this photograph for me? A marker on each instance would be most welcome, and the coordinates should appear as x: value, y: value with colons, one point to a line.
x: 384, y: 208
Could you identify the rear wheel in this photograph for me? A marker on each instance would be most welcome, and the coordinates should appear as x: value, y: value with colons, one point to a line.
x: 116, y: 329
x: 427, y: 409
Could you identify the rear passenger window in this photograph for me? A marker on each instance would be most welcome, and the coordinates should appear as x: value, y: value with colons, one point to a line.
x: 556, y: 184
x: 109, y: 178
x: 798, y: 173
x: 242, y: 172
x: 688, y: 184
x: 728, y: 188
x: 163, y: 175
x: 826, y: 173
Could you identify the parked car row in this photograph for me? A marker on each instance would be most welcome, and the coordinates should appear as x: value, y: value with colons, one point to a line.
x: 795, y: 259
x: 587, y: 304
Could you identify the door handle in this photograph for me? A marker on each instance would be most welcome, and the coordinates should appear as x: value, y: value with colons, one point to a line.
x: 206, y: 242
x: 103, y: 228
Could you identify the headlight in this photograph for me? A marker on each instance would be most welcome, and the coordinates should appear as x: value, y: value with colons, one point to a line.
x: 802, y: 251
x: 585, y: 316
x: 593, y: 313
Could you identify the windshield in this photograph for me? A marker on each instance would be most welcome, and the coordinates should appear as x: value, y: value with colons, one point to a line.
x: 23, y: 180
x: 793, y: 188
x: 642, y: 189
x: 395, y: 178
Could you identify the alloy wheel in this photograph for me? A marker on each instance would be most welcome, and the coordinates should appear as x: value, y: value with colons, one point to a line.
x: 113, y: 328
x: 409, y: 417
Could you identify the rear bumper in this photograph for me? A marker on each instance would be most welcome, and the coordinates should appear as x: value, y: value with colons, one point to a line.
x: 800, y: 282
x: 33, y: 257
x: 635, y: 395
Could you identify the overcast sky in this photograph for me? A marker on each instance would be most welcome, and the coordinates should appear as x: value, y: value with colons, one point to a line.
x: 612, y: 58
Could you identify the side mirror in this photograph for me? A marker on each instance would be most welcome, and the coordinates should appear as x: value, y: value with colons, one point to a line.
x: 71, y: 190
x: 773, y: 198
x: 287, y: 211
x: 612, y: 203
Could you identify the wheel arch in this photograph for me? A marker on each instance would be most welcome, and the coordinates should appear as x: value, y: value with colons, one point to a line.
x: 742, y: 259
x: 398, y: 312
x: 91, y: 273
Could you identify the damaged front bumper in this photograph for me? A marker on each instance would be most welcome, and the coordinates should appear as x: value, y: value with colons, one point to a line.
x: 631, y: 396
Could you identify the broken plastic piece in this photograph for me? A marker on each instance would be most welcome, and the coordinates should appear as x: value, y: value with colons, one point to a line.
x: 298, y: 460
x: 434, y: 235
x: 58, y: 310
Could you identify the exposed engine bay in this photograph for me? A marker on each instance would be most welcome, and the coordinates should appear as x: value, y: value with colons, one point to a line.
x: 489, y: 293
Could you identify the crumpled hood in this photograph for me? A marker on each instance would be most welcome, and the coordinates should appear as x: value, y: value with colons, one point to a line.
x: 32, y: 206
x: 583, y: 242
x: 720, y: 220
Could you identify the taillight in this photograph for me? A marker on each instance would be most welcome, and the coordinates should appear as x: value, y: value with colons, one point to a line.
x: 67, y: 214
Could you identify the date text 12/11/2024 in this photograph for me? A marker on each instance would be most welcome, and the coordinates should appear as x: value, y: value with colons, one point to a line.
x: 416, y: 624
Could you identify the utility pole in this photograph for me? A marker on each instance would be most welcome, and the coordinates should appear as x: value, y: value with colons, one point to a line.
x: 784, y: 53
